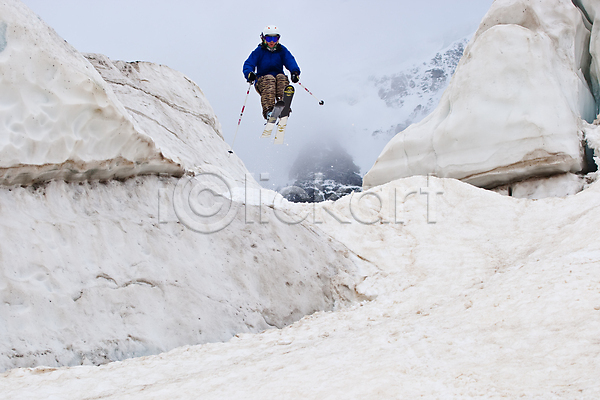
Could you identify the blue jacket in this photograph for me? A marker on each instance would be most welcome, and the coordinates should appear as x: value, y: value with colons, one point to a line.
x: 270, y: 62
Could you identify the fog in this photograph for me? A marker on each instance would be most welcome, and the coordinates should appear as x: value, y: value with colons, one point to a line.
x: 339, y: 45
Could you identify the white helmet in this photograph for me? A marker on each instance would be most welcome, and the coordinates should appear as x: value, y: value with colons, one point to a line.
x: 270, y: 30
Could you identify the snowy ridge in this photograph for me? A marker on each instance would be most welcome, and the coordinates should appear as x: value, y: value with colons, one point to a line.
x: 173, y: 110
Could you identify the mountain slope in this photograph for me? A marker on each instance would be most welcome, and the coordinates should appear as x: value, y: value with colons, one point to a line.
x: 417, y: 91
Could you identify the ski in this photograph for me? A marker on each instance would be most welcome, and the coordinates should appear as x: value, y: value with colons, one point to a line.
x: 280, y: 130
x: 288, y: 95
x: 279, y: 106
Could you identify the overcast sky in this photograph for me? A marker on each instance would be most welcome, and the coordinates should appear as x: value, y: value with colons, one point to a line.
x: 337, y: 43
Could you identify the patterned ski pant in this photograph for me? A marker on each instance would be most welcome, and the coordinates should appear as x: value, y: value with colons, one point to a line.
x: 270, y: 89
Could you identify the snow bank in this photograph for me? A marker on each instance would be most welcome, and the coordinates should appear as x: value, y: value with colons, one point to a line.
x: 63, y: 120
x: 173, y: 110
x: 497, y: 299
x: 94, y: 272
x: 59, y: 117
x: 514, y: 107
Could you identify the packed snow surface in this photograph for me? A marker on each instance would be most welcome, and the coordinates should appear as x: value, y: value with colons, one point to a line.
x: 515, y: 107
x: 499, y: 298
x: 98, y: 272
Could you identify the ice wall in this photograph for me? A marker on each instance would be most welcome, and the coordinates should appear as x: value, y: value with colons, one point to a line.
x: 173, y: 111
x: 591, y: 11
x: 514, y: 107
x: 60, y: 119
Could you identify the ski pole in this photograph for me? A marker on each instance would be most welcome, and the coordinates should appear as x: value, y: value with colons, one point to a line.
x: 240, y: 120
x: 321, y: 102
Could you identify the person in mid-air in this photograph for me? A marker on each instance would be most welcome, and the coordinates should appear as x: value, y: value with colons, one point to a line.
x: 268, y: 60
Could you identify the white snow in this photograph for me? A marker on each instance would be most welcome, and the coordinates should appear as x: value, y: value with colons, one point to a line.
x: 173, y: 110
x: 63, y: 120
x: 514, y: 107
x: 97, y: 272
x: 421, y: 287
x: 498, y: 299
x: 120, y: 269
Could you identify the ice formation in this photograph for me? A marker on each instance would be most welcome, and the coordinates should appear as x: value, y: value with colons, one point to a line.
x: 591, y: 11
x: 515, y: 108
x: 62, y: 119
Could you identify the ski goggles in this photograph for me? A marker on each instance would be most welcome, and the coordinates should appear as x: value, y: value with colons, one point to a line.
x: 271, y: 38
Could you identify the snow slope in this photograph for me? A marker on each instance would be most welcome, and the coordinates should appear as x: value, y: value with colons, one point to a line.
x: 499, y: 298
x: 515, y: 107
x: 91, y: 273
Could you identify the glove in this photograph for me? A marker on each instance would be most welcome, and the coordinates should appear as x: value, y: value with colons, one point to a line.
x: 251, y: 77
x: 295, y: 77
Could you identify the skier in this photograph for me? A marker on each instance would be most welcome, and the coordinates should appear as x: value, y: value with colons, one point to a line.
x: 268, y: 59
